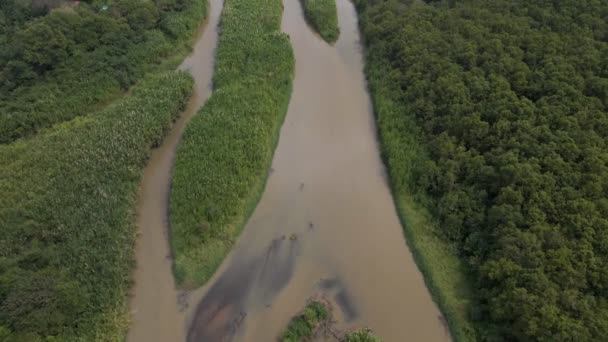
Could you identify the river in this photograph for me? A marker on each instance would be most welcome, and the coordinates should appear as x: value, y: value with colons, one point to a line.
x: 326, y: 223
x: 159, y: 311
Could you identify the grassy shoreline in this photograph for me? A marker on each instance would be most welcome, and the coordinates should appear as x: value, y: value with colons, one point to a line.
x: 223, y: 159
x: 445, y: 274
x: 322, y: 15
x: 68, y: 200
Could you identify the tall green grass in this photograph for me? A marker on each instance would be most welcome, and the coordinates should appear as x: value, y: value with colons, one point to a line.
x: 323, y: 16
x: 223, y: 159
x: 67, y: 219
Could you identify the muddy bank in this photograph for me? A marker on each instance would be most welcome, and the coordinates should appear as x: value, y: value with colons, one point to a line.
x: 158, y: 309
x: 326, y: 222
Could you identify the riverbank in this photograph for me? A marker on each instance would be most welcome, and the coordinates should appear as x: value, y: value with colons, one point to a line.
x: 223, y: 159
x: 445, y: 274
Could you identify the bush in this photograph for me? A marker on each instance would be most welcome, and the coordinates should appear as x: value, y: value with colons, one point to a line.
x: 303, y: 326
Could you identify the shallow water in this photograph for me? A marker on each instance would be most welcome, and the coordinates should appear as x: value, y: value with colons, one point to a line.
x: 158, y: 310
x: 326, y: 223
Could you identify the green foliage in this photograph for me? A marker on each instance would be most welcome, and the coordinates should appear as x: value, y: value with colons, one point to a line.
x: 361, y: 335
x: 323, y: 16
x: 493, y: 114
x: 64, y: 64
x: 66, y: 212
x: 226, y: 150
x: 303, y: 326
x: 41, y: 45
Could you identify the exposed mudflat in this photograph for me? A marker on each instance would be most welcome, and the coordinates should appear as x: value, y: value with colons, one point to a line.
x: 326, y: 223
x: 159, y: 311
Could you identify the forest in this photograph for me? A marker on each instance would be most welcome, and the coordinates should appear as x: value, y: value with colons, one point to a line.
x: 493, y: 115
x: 57, y: 64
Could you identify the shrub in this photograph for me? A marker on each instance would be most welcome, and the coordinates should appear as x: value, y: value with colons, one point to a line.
x: 303, y: 326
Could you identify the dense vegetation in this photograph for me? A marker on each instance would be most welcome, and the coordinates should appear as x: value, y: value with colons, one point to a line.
x: 66, y: 212
x: 304, y: 326
x: 56, y: 65
x: 224, y: 156
x: 493, y: 115
x: 323, y: 16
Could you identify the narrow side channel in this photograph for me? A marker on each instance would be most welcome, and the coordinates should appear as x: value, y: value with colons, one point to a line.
x: 158, y: 308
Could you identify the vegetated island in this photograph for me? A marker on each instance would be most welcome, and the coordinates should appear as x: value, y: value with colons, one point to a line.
x: 223, y: 159
x: 315, y: 321
x: 323, y: 17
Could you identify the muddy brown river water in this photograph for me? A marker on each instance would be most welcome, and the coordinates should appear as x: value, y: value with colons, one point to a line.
x: 326, y: 224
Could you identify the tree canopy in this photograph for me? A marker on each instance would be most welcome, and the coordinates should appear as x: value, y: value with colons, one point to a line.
x: 508, y: 102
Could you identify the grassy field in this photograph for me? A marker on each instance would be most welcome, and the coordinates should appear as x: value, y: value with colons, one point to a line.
x: 92, y: 66
x: 304, y: 326
x: 223, y: 159
x: 66, y: 211
x: 323, y: 16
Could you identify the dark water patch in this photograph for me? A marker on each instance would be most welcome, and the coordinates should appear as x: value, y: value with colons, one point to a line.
x: 329, y: 284
x: 223, y: 304
x: 345, y: 302
x: 222, y: 311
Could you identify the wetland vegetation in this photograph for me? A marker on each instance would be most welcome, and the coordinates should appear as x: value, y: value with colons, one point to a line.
x: 323, y: 16
x: 67, y: 199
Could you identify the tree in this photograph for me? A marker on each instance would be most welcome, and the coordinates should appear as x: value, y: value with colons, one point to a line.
x: 42, y: 46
